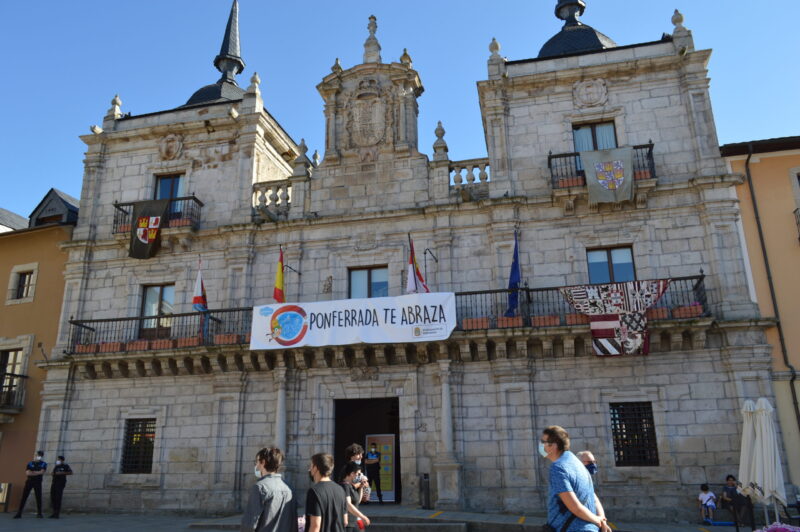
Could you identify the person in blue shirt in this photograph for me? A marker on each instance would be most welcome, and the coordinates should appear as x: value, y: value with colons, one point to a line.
x: 35, y: 471
x: 572, y: 505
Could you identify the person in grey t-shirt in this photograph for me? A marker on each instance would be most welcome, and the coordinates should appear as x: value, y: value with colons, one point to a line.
x: 271, y: 507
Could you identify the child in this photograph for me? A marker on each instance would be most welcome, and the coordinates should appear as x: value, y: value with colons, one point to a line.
x: 707, y: 503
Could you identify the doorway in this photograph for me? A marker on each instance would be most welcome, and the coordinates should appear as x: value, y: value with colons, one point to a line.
x: 358, y: 419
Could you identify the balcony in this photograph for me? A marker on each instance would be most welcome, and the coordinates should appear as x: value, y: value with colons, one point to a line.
x: 182, y: 212
x: 546, y: 307
x: 195, y: 329
x: 566, y: 169
x: 538, y: 308
x: 12, y: 389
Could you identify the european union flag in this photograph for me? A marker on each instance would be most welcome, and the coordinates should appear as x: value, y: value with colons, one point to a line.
x: 514, y: 278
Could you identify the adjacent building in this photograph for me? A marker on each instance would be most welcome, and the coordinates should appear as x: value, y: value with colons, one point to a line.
x: 770, y: 209
x: 32, y: 263
x: 603, y: 166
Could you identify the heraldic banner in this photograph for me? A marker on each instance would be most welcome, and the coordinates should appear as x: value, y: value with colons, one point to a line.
x: 146, y: 228
x: 421, y: 317
x: 617, y: 313
x: 609, y: 175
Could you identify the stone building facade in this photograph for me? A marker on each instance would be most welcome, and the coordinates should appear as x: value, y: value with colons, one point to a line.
x: 467, y: 411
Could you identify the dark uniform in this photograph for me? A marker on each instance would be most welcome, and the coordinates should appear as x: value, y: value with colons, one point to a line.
x: 57, y: 486
x: 374, y: 472
x: 35, y: 484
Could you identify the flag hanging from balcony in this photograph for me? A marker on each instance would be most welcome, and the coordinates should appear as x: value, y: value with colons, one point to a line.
x: 277, y: 292
x: 514, y: 278
x: 609, y: 175
x: 147, y: 220
x: 199, y: 300
x: 617, y: 313
x: 415, y: 283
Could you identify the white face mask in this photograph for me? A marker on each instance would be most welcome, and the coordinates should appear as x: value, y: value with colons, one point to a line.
x: 357, y: 462
x: 257, y: 472
x: 542, y: 452
x: 58, y: 462
x: 36, y: 458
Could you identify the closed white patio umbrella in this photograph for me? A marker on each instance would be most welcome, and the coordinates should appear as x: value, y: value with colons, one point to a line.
x: 760, y: 470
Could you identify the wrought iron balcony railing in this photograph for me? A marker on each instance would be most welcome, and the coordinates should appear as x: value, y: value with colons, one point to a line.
x: 183, y: 212
x: 566, y: 169
x: 538, y: 307
x: 546, y: 307
x: 12, y: 390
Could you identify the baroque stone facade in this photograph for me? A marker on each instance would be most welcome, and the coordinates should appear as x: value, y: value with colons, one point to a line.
x: 470, y: 409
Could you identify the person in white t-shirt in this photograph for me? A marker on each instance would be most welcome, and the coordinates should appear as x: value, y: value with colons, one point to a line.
x: 708, y: 503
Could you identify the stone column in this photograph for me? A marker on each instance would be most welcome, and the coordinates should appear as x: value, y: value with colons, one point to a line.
x: 279, y: 376
x: 447, y: 467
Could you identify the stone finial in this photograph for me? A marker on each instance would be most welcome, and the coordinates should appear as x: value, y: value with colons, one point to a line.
x: 405, y: 58
x: 439, y: 146
x: 301, y: 162
x: 677, y: 20
x: 372, y: 49
x: 315, y: 158
x: 115, y: 111
x: 337, y: 66
x: 494, y: 47
x: 96, y: 129
x: 255, y: 82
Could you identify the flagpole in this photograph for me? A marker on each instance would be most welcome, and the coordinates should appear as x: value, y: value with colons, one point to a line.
x: 410, y: 256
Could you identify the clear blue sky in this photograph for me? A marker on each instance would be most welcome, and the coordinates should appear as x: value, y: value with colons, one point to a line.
x: 65, y: 60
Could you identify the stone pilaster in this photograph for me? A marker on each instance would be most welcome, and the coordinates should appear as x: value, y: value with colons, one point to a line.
x: 447, y: 467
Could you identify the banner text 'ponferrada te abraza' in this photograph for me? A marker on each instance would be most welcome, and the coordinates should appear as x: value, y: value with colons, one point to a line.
x: 380, y: 320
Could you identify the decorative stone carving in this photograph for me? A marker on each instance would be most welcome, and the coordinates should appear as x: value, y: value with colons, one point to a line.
x: 590, y: 93
x: 170, y: 147
x: 364, y: 373
x: 369, y: 118
x: 327, y: 285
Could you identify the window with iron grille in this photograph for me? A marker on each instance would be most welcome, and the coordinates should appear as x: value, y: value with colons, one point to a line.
x: 634, y: 433
x: 137, y: 453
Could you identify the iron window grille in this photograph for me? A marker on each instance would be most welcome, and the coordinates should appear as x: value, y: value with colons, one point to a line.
x: 634, y: 433
x: 137, y: 453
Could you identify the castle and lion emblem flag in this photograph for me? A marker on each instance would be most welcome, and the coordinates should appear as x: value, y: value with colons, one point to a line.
x: 148, y: 218
x: 609, y: 175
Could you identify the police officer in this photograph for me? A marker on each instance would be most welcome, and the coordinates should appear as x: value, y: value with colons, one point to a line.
x: 35, y: 471
x: 60, y: 472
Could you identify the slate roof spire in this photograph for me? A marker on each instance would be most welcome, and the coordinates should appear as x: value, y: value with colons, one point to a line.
x: 229, y: 61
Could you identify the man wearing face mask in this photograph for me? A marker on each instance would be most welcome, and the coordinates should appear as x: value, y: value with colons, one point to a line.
x: 326, y: 503
x: 60, y: 473
x: 572, y: 505
x: 373, y: 463
x: 271, y: 506
x: 35, y: 471
x: 587, y: 459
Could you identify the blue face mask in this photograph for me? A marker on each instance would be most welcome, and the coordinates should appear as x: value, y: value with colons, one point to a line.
x: 542, y: 452
x: 592, y: 469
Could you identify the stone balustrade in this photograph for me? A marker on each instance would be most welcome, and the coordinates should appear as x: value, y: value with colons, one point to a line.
x: 272, y: 199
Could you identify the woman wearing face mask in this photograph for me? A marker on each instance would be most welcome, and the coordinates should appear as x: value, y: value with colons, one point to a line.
x: 355, y: 453
x: 271, y: 507
x: 587, y: 459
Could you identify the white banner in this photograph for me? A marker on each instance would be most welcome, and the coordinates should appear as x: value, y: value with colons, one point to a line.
x: 379, y: 320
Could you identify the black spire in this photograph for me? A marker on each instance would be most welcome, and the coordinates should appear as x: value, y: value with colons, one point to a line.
x: 229, y: 61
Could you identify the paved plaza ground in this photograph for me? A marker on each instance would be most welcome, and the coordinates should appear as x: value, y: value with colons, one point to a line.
x: 80, y: 522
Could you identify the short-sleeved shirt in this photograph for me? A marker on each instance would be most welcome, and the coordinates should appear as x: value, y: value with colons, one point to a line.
x: 327, y: 500
x: 569, y: 474
x: 374, y: 456
x: 350, y: 491
x: 61, y: 468
x: 36, y: 465
x: 706, y: 496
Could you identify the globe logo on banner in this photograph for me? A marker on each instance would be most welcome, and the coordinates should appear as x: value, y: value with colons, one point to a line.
x: 610, y: 174
x: 287, y: 325
x: 147, y: 228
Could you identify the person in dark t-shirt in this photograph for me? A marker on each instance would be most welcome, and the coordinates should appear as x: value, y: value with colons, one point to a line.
x: 35, y: 471
x: 352, y: 497
x: 60, y: 473
x: 326, y: 506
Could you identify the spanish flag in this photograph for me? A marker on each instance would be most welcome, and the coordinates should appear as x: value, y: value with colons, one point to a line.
x: 277, y: 292
x: 415, y: 282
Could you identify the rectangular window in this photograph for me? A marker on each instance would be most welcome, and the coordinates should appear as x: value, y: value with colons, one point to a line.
x: 11, y: 378
x: 590, y: 137
x: 137, y: 453
x: 611, y: 265
x: 369, y: 282
x: 634, y: 434
x: 171, y: 187
x: 157, y: 300
x: 24, y: 285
